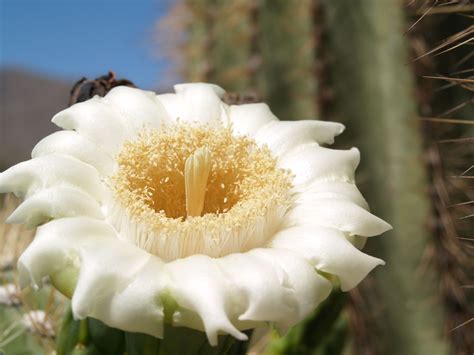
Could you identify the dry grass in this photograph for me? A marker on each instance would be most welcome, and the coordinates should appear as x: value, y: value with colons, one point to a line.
x: 14, y: 238
x: 18, y: 323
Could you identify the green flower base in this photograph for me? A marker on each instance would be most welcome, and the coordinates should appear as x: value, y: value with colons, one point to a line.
x: 92, y: 337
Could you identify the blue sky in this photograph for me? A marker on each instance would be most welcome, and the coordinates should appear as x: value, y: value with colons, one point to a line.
x: 74, y: 38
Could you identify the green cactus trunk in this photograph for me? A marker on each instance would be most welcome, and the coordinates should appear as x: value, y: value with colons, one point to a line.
x: 287, y: 46
x: 231, y: 53
x: 219, y: 48
x: 195, y: 67
x: 267, y: 46
x: 374, y: 97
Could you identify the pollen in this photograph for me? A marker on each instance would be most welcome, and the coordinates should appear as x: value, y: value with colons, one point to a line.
x: 183, y: 190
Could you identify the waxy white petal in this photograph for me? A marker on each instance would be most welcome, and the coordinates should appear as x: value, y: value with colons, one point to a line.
x: 262, y: 285
x: 330, y: 189
x: 173, y: 105
x: 248, y: 119
x: 260, y: 296
x: 336, y: 213
x: 97, y: 284
x: 283, y: 136
x: 57, y: 244
x: 311, y: 162
x: 329, y: 251
x: 195, y: 103
x: 138, y: 307
x: 118, y: 283
x: 198, y: 284
x: 55, y: 202
x: 98, y: 121
x: 72, y: 143
x: 308, y: 287
x: 27, y: 177
x: 199, y: 88
x: 139, y: 107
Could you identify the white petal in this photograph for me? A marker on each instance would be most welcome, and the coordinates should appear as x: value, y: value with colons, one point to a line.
x: 139, y: 107
x: 124, y: 294
x: 248, y: 119
x: 330, y: 189
x: 199, y: 88
x: 308, y: 287
x: 55, y: 245
x: 260, y: 295
x: 138, y: 307
x: 340, y: 214
x: 55, y: 202
x: 173, y: 105
x: 196, y: 102
x: 197, y: 284
x: 72, y: 143
x: 243, y: 290
x: 107, y: 268
x: 329, y: 251
x: 283, y: 136
x: 98, y: 121
x: 311, y: 162
x: 27, y: 177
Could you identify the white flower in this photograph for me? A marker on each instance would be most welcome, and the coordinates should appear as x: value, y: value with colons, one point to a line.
x: 179, y: 208
x: 9, y: 295
x: 38, y: 322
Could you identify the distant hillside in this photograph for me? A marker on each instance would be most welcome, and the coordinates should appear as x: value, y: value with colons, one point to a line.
x: 27, y: 103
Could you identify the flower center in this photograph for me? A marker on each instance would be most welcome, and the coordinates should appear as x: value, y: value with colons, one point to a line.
x: 185, y: 190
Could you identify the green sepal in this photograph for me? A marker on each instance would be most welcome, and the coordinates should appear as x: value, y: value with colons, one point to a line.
x: 335, y: 342
x: 141, y: 344
x: 88, y: 336
x: 68, y: 336
x: 81, y: 349
x: 316, y: 335
x: 109, y: 341
x: 65, y: 279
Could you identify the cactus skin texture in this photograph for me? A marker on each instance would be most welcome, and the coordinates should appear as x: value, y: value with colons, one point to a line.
x: 286, y: 76
x: 266, y: 46
x: 374, y: 92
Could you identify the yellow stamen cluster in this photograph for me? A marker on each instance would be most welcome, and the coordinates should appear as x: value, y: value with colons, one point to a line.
x: 244, y: 188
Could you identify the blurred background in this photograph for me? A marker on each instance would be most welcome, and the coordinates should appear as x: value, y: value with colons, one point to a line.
x: 46, y: 46
x: 399, y: 75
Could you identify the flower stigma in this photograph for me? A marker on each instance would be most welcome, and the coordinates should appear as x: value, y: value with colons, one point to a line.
x: 184, y: 190
x: 196, y: 173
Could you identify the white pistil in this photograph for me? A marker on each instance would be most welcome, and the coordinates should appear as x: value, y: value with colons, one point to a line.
x: 196, y: 172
